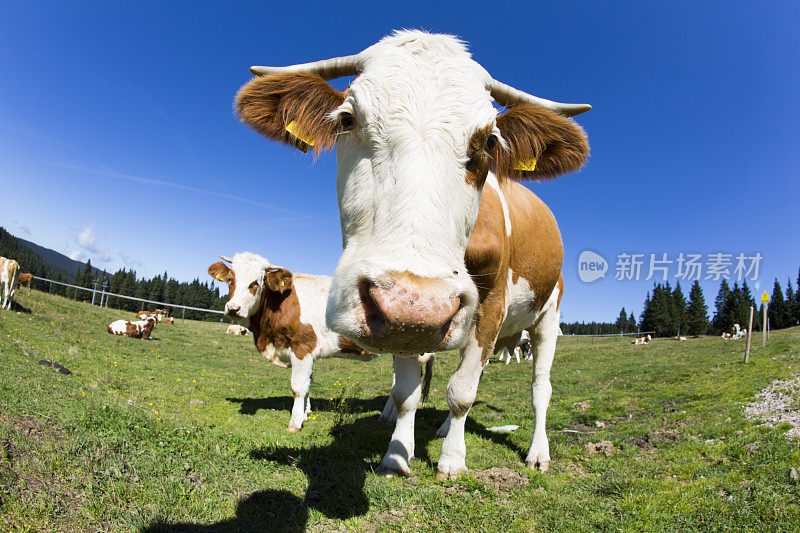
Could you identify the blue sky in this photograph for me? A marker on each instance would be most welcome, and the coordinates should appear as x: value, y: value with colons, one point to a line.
x: 118, y: 140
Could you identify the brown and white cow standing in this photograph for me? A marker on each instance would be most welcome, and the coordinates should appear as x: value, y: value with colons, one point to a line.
x: 286, y: 313
x: 137, y: 329
x: 9, y: 270
x: 24, y: 280
x: 442, y: 248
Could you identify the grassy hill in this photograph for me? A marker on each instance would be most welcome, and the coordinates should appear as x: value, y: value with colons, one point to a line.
x: 187, y: 433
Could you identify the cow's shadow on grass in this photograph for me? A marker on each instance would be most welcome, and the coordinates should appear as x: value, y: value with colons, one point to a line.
x: 19, y: 308
x: 250, y: 406
x: 336, y: 474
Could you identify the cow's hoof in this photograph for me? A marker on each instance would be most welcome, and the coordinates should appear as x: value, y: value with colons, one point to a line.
x: 385, y: 471
x: 293, y: 429
x: 444, y: 476
x: 543, y: 466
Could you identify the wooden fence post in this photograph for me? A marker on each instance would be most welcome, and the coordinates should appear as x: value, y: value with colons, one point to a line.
x: 749, y: 334
x: 764, y: 327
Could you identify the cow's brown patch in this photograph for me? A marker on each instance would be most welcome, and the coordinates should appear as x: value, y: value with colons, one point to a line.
x: 479, y: 156
x: 277, y: 323
x: 536, y: 250
x: 148, y: 329
x: 348, y: 346
x: 131, y: 330
x: 486, y: 259
x: 270, y: 103
x: 557, y: 143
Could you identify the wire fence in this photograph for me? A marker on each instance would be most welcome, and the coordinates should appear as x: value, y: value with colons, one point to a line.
x: 104, y: 295
x: 604, y: 338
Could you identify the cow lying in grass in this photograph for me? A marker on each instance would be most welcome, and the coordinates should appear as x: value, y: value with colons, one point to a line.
x: 138, y: 329
x: 236, y: 329
x: 641, y: 340
x: 286, y: 313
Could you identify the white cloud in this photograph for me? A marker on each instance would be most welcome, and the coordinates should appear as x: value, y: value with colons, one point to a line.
x: 76, y: 255
x: 86, y: 239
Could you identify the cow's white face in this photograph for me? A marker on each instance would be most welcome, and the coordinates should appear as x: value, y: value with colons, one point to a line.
x: 248, y: 277
x: 417, y: 135
x: 406, y: 203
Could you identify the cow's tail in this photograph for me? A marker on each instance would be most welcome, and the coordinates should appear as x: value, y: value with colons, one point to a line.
x: 426, y: 380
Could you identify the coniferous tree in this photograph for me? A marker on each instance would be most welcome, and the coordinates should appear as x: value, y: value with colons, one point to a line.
x: 697, y: 312
x: 622, y: 321
x: 632, y: 323
x: 791, y: 304
x: 776, y: 311
x: 719, y: 308
x: 679, y: 309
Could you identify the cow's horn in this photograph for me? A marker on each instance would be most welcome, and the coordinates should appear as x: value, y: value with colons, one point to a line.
x: 508, y: 96
x: 327, y: 69
x: 228, y: 259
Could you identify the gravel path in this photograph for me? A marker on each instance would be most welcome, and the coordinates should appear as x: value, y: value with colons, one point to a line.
x: 778, y: 404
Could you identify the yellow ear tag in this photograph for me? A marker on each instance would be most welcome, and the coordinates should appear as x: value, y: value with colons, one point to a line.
x: 295, y: 131
x: 529, y: 165
x: 220, y: 278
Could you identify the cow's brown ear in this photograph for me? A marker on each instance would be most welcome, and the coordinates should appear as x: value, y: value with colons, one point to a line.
x: 541, y: 144
x: 219, y: 271
x: 278, y: 279
x: 291, y: 108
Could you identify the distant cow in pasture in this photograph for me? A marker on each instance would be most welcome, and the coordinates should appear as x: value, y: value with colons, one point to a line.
x: 680, y: 338
x: 138, y: 329
x: 736, y: 333
x: 9, y: 271
x: 641, y: 340
x: 168, y: 320
x: 523, y: 349
x: 25, y: 280
x: 286, y: 313
x: 157, y: 315
x: 236, y: 329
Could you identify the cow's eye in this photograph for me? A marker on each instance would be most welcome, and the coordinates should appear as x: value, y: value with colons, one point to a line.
x: 253, y: 288
x: 346, y: 122
x: 491, y: 142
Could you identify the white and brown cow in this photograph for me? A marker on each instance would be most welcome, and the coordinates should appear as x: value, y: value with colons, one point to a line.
x: 286, y: 313
x: 443, y: 248
x: 137, y: 329
x: 9, y: 271
x: 236, y: 329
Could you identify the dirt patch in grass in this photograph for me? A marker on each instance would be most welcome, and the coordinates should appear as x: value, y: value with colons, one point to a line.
x: 502, y: 480
x: 605, y: 447
x: 655, y: 440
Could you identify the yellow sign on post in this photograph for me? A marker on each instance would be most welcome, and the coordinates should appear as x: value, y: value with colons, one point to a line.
x: 764, y: 297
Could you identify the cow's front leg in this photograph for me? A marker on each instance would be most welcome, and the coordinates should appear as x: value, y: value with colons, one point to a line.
x: 406, y: 393
x: 301, y: 383
x: 389, y: 413
x: 461, y: 391
x: 543, y: 340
